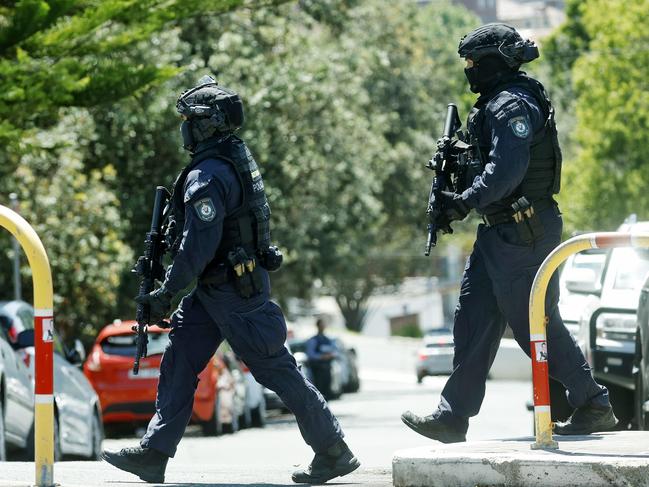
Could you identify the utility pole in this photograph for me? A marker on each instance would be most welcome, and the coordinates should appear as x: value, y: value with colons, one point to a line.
x: 18, y: 292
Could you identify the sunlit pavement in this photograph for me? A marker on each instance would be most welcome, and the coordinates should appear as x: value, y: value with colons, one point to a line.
x: 266, y: 457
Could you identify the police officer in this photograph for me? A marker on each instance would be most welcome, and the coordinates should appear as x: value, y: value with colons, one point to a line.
x: 512, y: 127
x: 220, y: 235
x: 321, y: 351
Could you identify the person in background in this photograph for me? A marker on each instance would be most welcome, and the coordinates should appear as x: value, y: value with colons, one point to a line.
x: 321, y: 352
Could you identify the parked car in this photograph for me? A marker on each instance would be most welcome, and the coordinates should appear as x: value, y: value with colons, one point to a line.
x: 78, y: 428
x: 271, y: 398
x: 250, y: 401
x: 581, y: 275
x: 609, y: 321
x: 339, y: 372
x: 641, y: 403
x: 435, y: 357
x: 129, y: 398
x: 349, y: 362
x: 16, y: 395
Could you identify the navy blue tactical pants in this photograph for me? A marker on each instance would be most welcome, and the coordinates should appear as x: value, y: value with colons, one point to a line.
x: 495, y: 290
x: 256, y: 331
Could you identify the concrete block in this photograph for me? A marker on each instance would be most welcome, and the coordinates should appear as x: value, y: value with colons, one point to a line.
x: 618, y: 459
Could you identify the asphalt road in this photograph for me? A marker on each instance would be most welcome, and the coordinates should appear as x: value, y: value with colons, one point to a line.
x: 266, y: 457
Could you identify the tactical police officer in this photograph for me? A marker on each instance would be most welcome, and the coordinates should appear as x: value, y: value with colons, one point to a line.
x: 220, y: 235
x: 513, y: 131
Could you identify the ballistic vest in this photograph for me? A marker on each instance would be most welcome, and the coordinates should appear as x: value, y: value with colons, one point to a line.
x: 543, y: 176
x: 248, y: 226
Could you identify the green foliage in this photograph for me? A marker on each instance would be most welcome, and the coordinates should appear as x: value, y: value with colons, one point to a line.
x: 78, y: 53
x: 58, y: 54
x: 344, y: 100
x: 343, y: 116
x: 78, y: 221
x: 607, y: 65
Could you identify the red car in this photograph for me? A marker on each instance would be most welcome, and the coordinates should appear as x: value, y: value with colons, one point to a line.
x: 128, y: 398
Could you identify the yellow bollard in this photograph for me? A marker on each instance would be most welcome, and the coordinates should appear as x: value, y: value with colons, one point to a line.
x: 43, y: 342
x: 538, y: 319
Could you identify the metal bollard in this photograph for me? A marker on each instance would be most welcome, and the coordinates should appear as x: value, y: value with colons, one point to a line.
x: 538, y: 319
x: 43, y: 342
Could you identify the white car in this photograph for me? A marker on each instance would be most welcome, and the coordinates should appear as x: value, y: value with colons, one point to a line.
x: 16, y: 396
x: 78, y: 426
x: 608, y: 318
x: 435, y: 357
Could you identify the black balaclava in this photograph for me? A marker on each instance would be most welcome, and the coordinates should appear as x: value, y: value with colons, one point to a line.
x: 487, y: 73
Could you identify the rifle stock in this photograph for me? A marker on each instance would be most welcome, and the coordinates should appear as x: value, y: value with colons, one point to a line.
x: 149, y: 268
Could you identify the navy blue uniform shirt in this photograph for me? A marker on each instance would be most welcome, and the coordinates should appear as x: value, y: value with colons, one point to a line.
x: 211, y: 192
x: 506, y: 116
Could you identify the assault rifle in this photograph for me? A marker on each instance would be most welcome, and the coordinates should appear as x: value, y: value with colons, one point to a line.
x: 149, y: 267
x: 445, y: 165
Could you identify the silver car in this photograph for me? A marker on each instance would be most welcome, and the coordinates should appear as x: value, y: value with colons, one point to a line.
x: 436, y: 356
x: 78, y: 426
x: 16, y: 396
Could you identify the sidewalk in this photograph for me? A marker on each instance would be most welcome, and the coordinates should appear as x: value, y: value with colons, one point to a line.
x: 95, y: 474
x: 619, y: 459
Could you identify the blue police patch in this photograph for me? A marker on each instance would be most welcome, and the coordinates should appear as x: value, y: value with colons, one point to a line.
x: 205, y: 209
x: 520, y: 126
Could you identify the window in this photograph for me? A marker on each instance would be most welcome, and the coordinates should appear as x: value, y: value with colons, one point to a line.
x: 124, y: 345
x: 26, y: 317
x: 631, y: 269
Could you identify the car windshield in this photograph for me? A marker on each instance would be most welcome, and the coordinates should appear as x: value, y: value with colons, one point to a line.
x: 593, y: 261
x: 631, y: 268
x: 124, y: 345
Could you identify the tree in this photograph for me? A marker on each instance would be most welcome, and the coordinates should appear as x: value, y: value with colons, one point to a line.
x: 79, y: 224
x: 58, y: 59
x: 344, y: 114
x: 342, y: 109
x: 608, y: 74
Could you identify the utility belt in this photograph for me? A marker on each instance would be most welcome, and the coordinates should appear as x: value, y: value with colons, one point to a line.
x: 240, y: 269
x: 525, y: 214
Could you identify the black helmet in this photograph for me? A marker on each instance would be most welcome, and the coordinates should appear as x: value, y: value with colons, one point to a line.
x: 210, y: 111
x: 498, y: 40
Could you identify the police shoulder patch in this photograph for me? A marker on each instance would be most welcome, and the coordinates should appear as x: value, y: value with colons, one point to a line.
x: 520, y: 126
x: 205, y: 209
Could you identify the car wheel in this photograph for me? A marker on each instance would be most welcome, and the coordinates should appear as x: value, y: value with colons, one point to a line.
x: 213, y: 426
x: 420, y: 378
x: 245, y: 420
x: 97, y: 437
x: 258, y: 414
x: 58, y: 454
x: 3, y: 446
x: 354, y: 384
x: 641, y: 419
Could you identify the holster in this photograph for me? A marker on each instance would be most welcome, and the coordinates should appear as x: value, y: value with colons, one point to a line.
x: 246, y: 274
x: 528, y: 223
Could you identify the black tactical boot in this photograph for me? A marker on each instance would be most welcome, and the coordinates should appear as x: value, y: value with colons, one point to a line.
x: 146, y: 463
x: 337, y: 461
x: 432, y: 427
x: 586, y: 420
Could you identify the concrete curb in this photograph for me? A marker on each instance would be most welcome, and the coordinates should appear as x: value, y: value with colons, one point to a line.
x: 619, y: 459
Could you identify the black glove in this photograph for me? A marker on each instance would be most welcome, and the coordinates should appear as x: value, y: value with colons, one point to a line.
x: 453, y: 208
x: 159, y: 302
x: 442, y: 223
